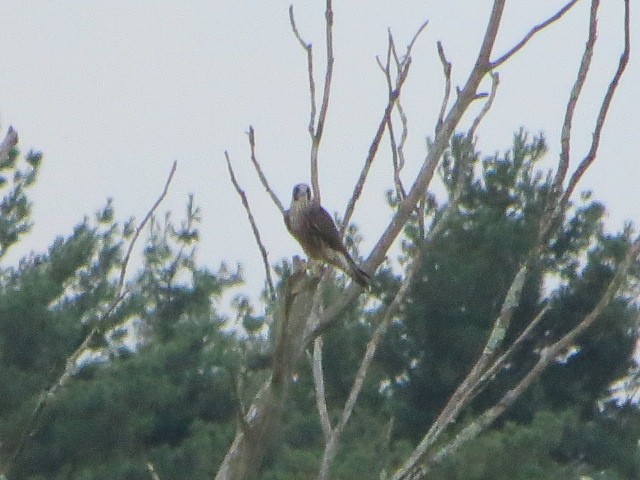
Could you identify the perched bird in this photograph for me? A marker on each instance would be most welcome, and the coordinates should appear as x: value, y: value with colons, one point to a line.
x: 314, y: 229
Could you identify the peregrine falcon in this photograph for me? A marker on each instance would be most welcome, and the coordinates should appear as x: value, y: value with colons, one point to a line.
x: 314, y: 229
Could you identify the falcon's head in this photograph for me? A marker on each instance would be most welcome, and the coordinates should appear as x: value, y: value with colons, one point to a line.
x: 301, y: 194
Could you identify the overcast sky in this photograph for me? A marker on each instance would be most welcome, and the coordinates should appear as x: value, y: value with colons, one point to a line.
x: 114, y: 91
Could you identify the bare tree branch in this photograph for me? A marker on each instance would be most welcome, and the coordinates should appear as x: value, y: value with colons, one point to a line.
x: 318, y: 381
x: 531, y: 33
x: 263, y: 178
x: 395, y: 162
x: 404, y: 121
x: 479, y: 373
x: 555, y: 211
x: 446, y: 68
x: 466, y: 96
x: 585, y: 63
x: 324, y: 106
x: 72, y: 360
x: 422, y: 180
x: 295, y: 306
x: 317, y: 136
x: 316, y: 126
x: 500, y: 361
x: 495, y: 81
x: 604, y: 108
x: 547, y: 357
x: 331, y: 445
x: 387, y: 316
x: 312, y: 85
x: 398, y: 150
x: 373, y: 148
x: 397, y: 155
x: 414, y: 40
x: 424, y: 176
x: 461, y: 395
x: 132, y: 243
x: 254, y: 227
x: 314, y: 319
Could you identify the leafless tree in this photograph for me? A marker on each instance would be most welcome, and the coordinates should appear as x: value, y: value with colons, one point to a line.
x: 301, y: 318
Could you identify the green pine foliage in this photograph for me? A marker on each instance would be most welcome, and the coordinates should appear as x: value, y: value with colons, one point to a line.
x: 162, y: 385
x: 16, y: 178
x: 465, y: 274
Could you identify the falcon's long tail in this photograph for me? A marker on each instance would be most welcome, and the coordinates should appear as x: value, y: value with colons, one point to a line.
x: 361, y: 277
x: 344, y: 262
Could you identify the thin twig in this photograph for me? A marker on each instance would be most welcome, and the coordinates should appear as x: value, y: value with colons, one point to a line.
x: 149, y: 214
x: 403, y: 137
x: 373, y: 149
x: 397, y: 156
x: 585, y: 63
x: 495, y: 81
x: 446, y: 68
x: 254, y: 227
x: 375, y: 143
x: 70, y: 364
x: 421, y: 467
x: 263, y: 178
x: 332, y: 441
x: 387, y: 316
x: 324, y: 106
x: 316, y: 126
x: 500, y: 361
x: 392, y: 52
x: 415, y: 38
x: 312, y: 86
x: 531, y: 33
x: 329, y: 72
x: 395, y: 162
x: 400, y: 160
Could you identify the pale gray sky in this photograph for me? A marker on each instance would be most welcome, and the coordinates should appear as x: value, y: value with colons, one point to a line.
x: 114, y: 91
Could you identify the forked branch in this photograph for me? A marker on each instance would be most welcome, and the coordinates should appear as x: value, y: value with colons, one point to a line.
x: 518, y: 46
x: 333, y: 436
x: 604, y: 108
x: 547, y: 357
x: 316, y: 125
x: 417, y: 465
x: 403, y: 72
